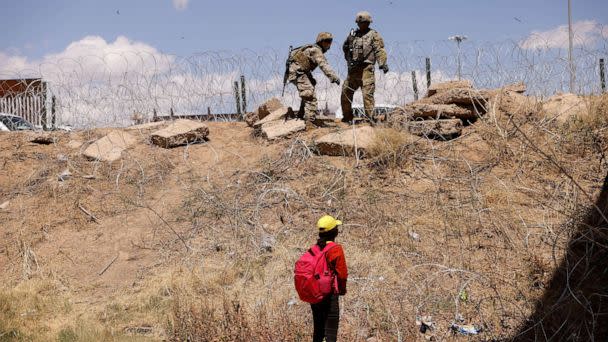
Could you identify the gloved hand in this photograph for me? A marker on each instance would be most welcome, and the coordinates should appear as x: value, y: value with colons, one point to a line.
x: 336, y: 81
x: 384, y: 68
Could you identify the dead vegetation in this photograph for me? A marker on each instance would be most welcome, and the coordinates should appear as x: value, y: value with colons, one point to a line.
x: 203, y: 238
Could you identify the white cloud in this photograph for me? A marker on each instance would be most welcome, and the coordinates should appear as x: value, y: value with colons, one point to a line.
x: 96, y: 82
x: 586, y: 32
x: 180, y: 5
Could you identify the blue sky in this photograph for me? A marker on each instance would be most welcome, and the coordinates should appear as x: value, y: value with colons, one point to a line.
x: 37, y: 28
x: 107, y: 59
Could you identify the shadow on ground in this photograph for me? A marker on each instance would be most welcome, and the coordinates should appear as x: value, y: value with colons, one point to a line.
x: 575, y: 304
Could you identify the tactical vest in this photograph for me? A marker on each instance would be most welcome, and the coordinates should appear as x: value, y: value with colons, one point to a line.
x: 362, y: 48
x: 303, y: 60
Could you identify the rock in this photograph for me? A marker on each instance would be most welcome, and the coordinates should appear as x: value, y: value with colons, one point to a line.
x: 44, y: 139
x: 563, y: 107
x: 436, y: 111
x: 75, y: 144
x: 62, y: 158
x: 519, y: 88
x: 65, y: 175
x: 4, y: 205
x: 347, y: 142
x: 514, y: 104
x: 267, y: 243
x: 250, y: 118
x: 460, y: 96
x: 415, y: 236
x: 110, y: 147
x: 444, y: 86
x: 180, y: 132
x: 443, y: 129
x: 279, y: 129
x: 262, y: 111
x: 324, y: 121
x: 268, y: 107
x: 147, y: 127
x: 278, y: 114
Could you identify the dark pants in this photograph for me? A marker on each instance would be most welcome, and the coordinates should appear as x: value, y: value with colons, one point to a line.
x: 326, y: 317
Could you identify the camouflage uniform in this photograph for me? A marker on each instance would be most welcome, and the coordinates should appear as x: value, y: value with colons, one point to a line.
x: 362, y: 50
x: 304, y: 61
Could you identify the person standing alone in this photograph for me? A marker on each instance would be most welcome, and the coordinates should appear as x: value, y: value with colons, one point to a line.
x: 326, y: 314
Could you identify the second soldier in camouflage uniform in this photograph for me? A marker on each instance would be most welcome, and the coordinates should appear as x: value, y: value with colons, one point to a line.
x: 362, y: 49
x: 303, y: 61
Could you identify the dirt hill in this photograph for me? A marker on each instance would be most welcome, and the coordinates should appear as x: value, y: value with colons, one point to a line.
x: 199, y: 241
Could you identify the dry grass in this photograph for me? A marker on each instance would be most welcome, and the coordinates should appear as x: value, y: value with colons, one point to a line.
x: 392, y: 149
x: 470, y: 228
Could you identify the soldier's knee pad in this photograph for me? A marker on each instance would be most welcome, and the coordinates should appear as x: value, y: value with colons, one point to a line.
x: 307, y: 95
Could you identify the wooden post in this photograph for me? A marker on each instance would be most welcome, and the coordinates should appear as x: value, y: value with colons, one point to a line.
x: 602, y: 75
x: 53, y: 115
x: 154, y: 115
x: 171, y: 113
x: 243, y: 94
x: 415, y: 85
x: 208, y: 110
x: 428, y: 72
x: 237, y: 97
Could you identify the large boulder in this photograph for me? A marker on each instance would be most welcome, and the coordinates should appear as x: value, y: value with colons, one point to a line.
x: 262, y: 111
x: 435, y: 111
x: 180, y: 132
x: 347, y: 142
x: 279, y: 129
x: 268, y: 107
x: 512, y: 103
x: 278, y: 114
x: 445, y: 86
x: 563, y: 107
x: 110, y: 147
x: 439, y: 129
x: 460, y: 96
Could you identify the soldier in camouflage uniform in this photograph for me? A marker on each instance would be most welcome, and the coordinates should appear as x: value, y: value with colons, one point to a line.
x: 303, y: 61
x: 362, y: 49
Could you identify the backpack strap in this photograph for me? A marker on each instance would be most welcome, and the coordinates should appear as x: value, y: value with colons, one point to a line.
x: 325, y: 251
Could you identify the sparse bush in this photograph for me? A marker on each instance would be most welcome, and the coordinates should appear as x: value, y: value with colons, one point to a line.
x: 390, y: 149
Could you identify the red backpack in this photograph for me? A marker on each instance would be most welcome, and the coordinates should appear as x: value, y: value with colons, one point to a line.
x: 313, y: 278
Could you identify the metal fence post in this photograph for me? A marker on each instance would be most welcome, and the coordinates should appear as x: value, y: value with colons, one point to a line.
x: 602, y: 75
x: 415, y: 85
x: 243, y: 94
x: 428, y: 72
x: 53, y: 115
x: 237, y: 97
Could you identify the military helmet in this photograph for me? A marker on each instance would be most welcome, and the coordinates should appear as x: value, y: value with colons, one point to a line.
x: 363, y: 16
x: 324, y: 36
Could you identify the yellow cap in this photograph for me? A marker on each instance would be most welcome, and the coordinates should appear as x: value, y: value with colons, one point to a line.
x: 327, y: 223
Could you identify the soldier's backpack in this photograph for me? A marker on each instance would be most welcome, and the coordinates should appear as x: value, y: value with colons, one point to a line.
x: 313, y: 278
